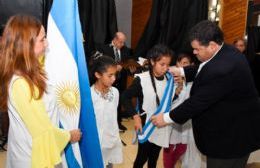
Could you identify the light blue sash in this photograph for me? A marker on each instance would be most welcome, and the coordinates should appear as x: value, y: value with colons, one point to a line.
x: 165, y: 106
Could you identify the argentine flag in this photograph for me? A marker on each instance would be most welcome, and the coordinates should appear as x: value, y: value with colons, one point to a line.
x: 68, y: 100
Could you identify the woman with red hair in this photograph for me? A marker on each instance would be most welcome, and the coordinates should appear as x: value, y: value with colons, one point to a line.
x: 33, y: 141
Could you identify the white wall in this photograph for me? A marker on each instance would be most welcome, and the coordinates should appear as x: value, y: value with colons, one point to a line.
x: 124, y: 18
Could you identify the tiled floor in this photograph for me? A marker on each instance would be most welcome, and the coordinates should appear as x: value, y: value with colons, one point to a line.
x: 130, y: 152
x: 2, y: 159
x: 130, y: 149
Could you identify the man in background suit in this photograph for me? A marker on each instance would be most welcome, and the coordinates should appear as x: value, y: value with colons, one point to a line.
x: 121, y: 54
x: 116, y: 49
x: 223, y: 104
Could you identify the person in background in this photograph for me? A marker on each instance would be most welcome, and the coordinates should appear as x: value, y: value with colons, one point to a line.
x: 149, y: 88
x: 33, y: 141
x: 223, y: 103
x: 177, y: 146
x: 182, y: 146
x: 105, y: 99
x: 240, y: 44
x: 121, y: 54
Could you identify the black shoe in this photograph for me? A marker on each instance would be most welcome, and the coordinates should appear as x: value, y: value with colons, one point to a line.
x: 121, y: 128
x: 3, y: 142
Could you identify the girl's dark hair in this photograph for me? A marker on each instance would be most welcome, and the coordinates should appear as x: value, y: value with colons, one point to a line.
x: 184, y: 55
x: 155, y: 54
x: 158, y: 51
x: 100, y: 65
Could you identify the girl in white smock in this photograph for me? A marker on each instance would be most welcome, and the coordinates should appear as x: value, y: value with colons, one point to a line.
x: 182, y: 145
x: 105, y: 100
x: 149, y: 88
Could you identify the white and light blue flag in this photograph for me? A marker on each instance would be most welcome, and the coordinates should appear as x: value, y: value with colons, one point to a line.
x: 68, y: 99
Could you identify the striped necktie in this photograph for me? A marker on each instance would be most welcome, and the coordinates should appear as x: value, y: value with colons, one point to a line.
x: 117, y: 56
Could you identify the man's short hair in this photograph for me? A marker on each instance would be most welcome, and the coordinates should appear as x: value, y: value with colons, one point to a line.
x: 116, y: 35
x: 206, y: 31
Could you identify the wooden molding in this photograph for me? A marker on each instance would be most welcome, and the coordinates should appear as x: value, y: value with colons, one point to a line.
x: 140, y: 15
x: 233, y: 17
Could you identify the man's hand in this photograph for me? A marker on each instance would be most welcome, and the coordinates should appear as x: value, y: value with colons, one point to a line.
x: 158, y: 121
x: 175, y: 71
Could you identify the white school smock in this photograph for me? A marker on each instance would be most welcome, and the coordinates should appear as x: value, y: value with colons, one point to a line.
x: 160, y: 136
x: 182, y: 133
x: 108, y: 131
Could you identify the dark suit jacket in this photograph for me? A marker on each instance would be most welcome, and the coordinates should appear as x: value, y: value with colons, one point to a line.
x: 223, y: 105
x: 108, y: 50
x: 125, y: 54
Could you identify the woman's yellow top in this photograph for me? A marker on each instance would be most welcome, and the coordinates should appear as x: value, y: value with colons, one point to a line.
x: 47, y: 141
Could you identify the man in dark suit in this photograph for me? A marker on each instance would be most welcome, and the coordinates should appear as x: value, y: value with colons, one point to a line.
x: 116, y: 49
x: 121, y: 54
x: 223, y: 104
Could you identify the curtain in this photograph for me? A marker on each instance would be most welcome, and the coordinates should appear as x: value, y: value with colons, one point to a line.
x: 253, y: 53
x: 37, y: 8
x: 46, y: 7
x: 169, y: 24
x: 253, y: 43
x: 98, y: 17
x: 99, y: 24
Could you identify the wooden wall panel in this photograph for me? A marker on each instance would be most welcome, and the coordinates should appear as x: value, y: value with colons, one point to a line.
x: 140, y: 15
x: 233, y: 19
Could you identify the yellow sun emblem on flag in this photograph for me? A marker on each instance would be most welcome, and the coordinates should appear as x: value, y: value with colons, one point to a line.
x: 68, y: 98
